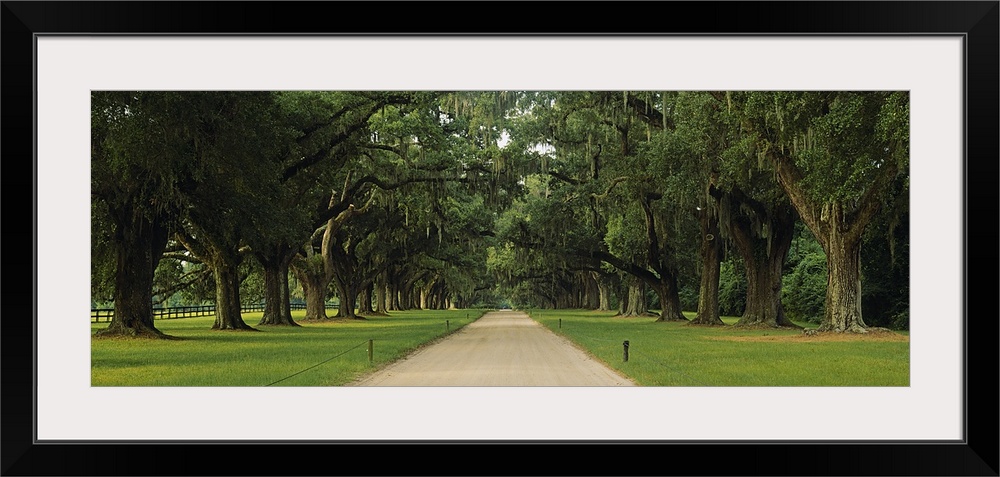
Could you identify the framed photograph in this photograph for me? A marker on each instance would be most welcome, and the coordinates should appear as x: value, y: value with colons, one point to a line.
x: 944, y: 53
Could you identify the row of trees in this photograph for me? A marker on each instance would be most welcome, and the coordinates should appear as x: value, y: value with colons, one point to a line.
x: 382, y: 193
x: 657, y: 190
x: 395, y: 200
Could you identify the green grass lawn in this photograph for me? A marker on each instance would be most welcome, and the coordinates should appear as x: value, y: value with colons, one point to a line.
x: 316, y: 354
x: 679, y: 354
x: 335, y: 353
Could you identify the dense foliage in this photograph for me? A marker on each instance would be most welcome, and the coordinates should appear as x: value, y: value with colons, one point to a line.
x: 721, y: 203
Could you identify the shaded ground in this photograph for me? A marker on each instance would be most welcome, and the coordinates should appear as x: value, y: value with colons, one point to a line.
x: 503, y: 348
x: 877, y: 335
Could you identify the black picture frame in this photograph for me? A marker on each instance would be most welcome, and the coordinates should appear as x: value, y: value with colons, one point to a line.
x: 977, y: 454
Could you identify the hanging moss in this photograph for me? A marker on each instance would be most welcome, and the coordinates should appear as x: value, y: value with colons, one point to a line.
x: 664, y: 106
x: 725, y: 212
x: 781, y: 119
x: 766, y: 233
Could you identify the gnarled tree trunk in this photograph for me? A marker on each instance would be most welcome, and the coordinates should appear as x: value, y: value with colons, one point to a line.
x: 603, y: 293
x: 139, y: 245
x: 381, y: 295
x: 839, y: 231
x: 711, y: 260
x: 670, y: 299
x: 634, y: 299
x: 764, y: 255
x: 348, y: 292
x: 315, y: 283
x: 843, y: 297
x: 365, y: 299
x: 228, y: 315
x: 277, y: 308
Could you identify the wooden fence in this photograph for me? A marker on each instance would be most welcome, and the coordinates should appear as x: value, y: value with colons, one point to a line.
x: 98, y: 315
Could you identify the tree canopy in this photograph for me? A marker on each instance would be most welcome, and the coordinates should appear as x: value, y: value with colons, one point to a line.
x: 657, y: 202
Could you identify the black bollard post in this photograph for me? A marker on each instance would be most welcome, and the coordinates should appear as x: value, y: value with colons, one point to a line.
x: 371, y: 347
x: 447, y: 325
x: 625, y: 354
x: 560, y: 323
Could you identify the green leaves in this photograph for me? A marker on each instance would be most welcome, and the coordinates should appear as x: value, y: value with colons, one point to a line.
x: 840, y: 140
x: 558, y: 175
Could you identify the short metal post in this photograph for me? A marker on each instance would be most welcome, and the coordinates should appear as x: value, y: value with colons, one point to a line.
x: 625, y: 354
x: 560, y: 323
x: 371, y: 347
x: 447, y: 325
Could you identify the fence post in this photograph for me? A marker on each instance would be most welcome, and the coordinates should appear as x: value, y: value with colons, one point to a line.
x: 371, y: 345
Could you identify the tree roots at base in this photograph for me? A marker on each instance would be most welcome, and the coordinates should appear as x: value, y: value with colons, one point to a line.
x: 137, y: 333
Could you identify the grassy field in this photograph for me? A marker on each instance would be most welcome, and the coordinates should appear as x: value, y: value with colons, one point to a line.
x: 679, y: 354
x: 316, y: 354
x: 334, y: 353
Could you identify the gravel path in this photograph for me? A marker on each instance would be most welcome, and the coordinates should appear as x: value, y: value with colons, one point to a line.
x: 502, y: 348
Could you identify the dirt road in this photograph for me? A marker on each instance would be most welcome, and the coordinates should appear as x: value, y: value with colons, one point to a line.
x: 503, y: 348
